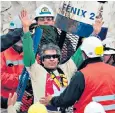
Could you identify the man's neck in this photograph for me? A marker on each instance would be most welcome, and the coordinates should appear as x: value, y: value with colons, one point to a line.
x: 50, y: 70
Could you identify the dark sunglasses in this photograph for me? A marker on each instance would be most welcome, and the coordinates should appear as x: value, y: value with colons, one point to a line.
x: 51, y: 56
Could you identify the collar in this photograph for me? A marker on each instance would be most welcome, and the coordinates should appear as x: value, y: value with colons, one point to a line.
x: 88, y: 61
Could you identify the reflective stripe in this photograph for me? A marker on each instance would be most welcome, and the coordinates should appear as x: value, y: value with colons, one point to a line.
x: 15, y: 62
x: 103, y: 98
x: 109, y: 107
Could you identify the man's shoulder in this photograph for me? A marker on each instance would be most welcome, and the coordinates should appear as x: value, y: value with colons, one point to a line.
x: 7, y: 51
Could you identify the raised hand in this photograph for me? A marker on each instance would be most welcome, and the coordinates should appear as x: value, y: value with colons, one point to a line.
x: 97, y: 25
x: 12, y: 99
x: 26, y: 22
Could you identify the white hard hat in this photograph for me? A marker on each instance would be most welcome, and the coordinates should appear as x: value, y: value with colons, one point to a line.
x: 15, y: 23
x: 92, y: 46
x: 44, y: 10
x: 94, y: 107
x: 110, y: 44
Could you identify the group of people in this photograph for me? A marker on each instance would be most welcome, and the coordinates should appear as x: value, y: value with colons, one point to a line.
x: 86, y: 76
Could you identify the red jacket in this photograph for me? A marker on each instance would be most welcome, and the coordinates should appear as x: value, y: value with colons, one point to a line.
x: 11, y: 68
x: 99, y: 81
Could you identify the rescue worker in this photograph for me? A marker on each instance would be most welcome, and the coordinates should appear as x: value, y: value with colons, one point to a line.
x: 10, y: 58
x: 54, y: 78
x: 11, y: 69
x: 94, y: 82
x: 50, y: 58
x: 45, y: 18
x: 109, y: 51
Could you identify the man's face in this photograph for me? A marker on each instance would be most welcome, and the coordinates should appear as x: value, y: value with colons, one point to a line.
x: 45, y: 21
x: 50, y: 60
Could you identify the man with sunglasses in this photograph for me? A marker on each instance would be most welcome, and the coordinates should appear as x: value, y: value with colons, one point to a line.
x: 49, y: 77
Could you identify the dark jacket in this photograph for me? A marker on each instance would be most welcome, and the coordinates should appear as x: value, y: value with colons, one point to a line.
x: 10, y: 38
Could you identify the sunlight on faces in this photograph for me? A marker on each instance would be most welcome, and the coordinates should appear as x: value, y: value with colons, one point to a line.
x: 50, y: 63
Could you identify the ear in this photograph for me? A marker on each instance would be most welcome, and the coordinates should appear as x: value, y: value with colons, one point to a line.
x: 42, y: 61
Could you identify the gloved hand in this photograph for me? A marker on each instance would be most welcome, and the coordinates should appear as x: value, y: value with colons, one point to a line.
x: 17, y: 106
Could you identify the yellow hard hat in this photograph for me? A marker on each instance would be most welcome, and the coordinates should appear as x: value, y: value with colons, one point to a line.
x: 37, y: 108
